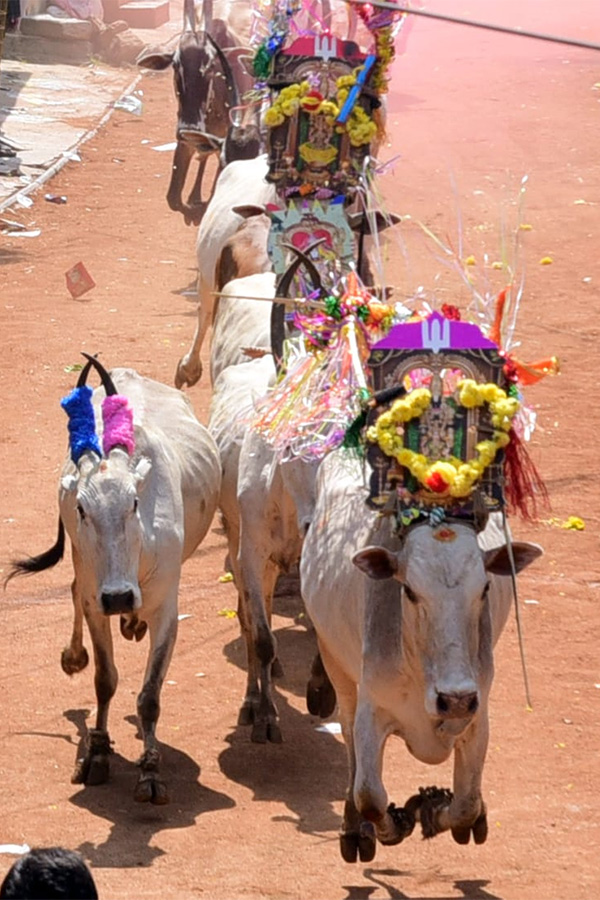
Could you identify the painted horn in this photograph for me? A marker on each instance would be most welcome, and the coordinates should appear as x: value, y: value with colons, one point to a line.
x: 107, y: 382
x: 227, y: 71
x: 285, y: 281
x: 207, y: 15
x: 189, y: 16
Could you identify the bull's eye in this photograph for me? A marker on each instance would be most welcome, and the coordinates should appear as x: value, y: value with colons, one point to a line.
x: 410, y: 594
x: 81, y: 512
x: 135, y: 504
x: 486, y: 591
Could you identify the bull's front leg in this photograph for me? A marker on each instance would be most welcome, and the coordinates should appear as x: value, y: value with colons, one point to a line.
x: 182, y: 158
x: 189, y: 367
x: 464, y: 812
x: 357, y: 835
x: 195, y: 208
x: 163, y: 633
x: 93, y: 766
x: 371, y: 730
x: 74, y: 658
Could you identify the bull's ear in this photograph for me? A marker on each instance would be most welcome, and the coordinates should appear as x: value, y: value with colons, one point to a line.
x: 154, y: 59
x: 249, y: 210
x: 497, y: 561
x: 69, y: 482
x: 376, y: 562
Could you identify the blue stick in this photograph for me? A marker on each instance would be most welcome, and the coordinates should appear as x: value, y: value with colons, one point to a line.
x: 356, y: 89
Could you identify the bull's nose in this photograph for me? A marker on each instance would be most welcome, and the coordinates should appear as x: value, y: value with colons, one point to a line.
x: 457, y: 705
x: 117, y: 602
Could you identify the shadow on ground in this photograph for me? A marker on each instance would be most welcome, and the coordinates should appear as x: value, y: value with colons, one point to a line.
x: 134, y: 825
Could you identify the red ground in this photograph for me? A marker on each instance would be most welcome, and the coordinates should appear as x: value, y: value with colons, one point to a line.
x: 252, y: 821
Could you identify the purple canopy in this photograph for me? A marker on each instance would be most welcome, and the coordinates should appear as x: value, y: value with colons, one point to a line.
x: 435, y: 333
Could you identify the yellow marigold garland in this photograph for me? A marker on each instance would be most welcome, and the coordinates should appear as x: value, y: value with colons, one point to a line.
x: 360, y: 127
x: 450, y: 476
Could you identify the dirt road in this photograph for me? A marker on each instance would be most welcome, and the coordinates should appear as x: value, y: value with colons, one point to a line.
x: 471, y: 113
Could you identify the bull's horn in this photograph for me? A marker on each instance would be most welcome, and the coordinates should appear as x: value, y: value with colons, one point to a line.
x: 107, y: 382
x: 302, y: 259
x: 189, y: 16
x: 207, y: 15
x: 227, y: 71
x: 83, y: 375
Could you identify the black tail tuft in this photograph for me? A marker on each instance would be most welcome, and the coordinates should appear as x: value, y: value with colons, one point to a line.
x: 41, y: 562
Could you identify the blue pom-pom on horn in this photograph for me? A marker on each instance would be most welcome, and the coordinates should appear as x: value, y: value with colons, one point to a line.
x: 82, y: 422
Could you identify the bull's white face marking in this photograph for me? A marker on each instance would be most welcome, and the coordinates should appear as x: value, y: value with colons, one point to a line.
x: 446, y: 586
x: 109, y: 524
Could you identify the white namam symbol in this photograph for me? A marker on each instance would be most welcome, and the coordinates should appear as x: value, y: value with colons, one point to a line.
x: 435, y: 338
x: 325, y: 46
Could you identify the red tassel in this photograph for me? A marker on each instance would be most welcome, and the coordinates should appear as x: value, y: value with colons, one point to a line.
x: 524, y: 488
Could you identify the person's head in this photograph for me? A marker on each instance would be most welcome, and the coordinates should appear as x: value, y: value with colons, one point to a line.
x: 48, y: 873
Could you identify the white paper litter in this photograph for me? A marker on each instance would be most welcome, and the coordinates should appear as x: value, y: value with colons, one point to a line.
x: 330, y: 728
x: 17, y: 849
x: 162, y: 147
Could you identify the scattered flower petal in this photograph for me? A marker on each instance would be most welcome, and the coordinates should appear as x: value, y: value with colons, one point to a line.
x: 574, y: 523
x: 227, y: 613
x: 228, y: 576
x: 546, y: 261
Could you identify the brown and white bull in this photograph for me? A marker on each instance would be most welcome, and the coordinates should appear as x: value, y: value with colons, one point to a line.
x: 240, y: 184
x: 408, y: 646
x: 136, y: 497
x: 209, y: 78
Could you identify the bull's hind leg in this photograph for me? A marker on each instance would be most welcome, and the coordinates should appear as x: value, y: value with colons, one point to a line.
x: 163, y: 632
x: 260, y: 710
x: 320, y: 693
x: 93, y: 766
x: 74, y: 658
x: 357, y: 836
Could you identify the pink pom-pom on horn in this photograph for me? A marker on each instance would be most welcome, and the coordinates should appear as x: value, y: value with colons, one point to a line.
x: 117, y: 416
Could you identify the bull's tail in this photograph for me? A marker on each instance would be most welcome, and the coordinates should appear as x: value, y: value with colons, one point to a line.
x: 42, y: 561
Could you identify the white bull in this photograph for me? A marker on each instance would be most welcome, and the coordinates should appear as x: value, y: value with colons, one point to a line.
x: 266, y: 506
x: 409, y: 652
x: 133, y: 514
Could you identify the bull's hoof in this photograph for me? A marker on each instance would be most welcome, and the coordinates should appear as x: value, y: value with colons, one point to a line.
x: 367, y: 842
x: 320, y: 697
x: 264, y: 731
x: 132, y: 627
x: 276, y: 669
x: 91, y: 770
x: 462, y: 834
x: 349, y: 846
x: 480, y: 828
x: 150, y: 789
x: 247, y: 713
x: 188, y: 373
x: 320, y: 693
x: 73, y: 662
x: 93, y: 767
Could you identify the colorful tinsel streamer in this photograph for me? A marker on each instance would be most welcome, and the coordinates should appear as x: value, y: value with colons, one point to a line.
x: 307, y: 414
